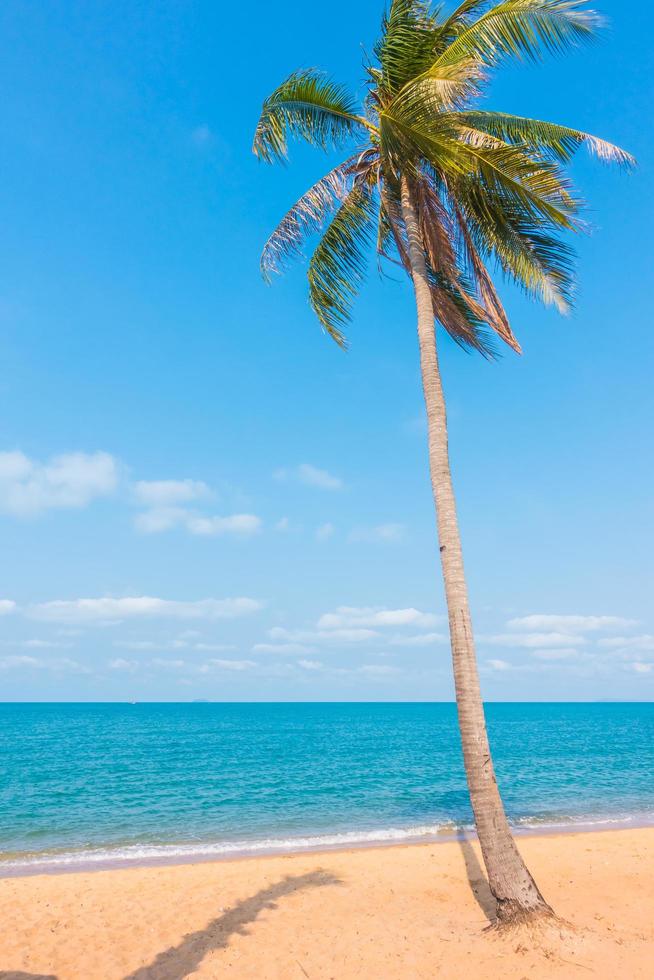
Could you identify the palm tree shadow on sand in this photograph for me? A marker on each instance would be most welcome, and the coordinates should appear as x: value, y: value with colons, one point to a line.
x: 476, y: 877
x: 19, y: 975
x: 178, y: 961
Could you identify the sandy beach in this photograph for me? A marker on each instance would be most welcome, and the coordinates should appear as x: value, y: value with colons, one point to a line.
x: 405, y: 911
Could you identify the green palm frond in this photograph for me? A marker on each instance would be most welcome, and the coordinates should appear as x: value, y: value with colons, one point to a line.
x: 338, y: 265
x: 536, y: 185
x: 523, y: 29
x: 529, y: 255
x: 309, y: 106
x: 552, y: 139
x: 407, y: 45
x: 442, y: 87
x: 462, y: 16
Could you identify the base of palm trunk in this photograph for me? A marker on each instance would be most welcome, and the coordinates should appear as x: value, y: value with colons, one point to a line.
x: 511, y: 913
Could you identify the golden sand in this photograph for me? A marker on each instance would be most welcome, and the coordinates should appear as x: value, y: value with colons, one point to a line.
x: 416, y: 911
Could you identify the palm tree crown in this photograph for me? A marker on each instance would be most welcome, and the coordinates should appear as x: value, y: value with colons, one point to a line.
x: 487, y: 187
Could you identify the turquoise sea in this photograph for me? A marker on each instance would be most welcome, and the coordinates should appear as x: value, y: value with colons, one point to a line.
x: 98, y: 784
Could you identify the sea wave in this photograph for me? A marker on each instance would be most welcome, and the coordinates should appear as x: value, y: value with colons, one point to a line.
x: 115, y: 856
x: 568, y: 822
x: 145, y: 853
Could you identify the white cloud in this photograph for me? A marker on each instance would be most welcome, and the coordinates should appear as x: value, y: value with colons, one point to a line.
x: 28, y: 487
x: 165, y: 518
x: 325, y: 531
x: 281, y: 648
x: 159, y: 519
x: 378, y: 670
x: 314, y: 477
x: 354, y: 635
x: 109, y: 609
x: 419, y: 640
x: 58, y: 664
x: 382, y: 532
x: 168, y: 664
x: 643, y: 642
x: 641, y: 668
x: 235, y: 524
x: 175, y: 644
x: 167, y: 493
x: 137, y: 644
x: 375, y: 616
x: 311, y: 476
x: 233, y: 664
x: 7, y: 606
x: 164, y: 500
x: 562, y: 653
x: 37, y: 644
x: 530, y: 640
x: 6, y: 663
x: 499, y: 664
x: 215, y: 647
x: 129, y: 666
x: 563, y: 624
x: 310, y: 664
x: 352, y: 625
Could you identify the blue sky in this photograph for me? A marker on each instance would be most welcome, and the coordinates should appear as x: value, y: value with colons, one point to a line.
x: 172, y: 428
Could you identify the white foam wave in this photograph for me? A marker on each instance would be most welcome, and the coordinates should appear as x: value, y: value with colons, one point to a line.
x: 544, y: 823
x: 144, y: 853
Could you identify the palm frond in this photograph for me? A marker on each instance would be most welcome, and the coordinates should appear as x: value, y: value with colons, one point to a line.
x: 471, y: 291
x: 534, y: 259
x: 310, y: 106
x: 338, y: 265
x: 490, y: 188
x: 308, y: 215
x: 452, y: 311
x: 538, y: 186
x: 462, y: 15
x: 442, y: 87
x: 407, y: 45
x: 558, y: 141
x: 496, y: 313
x: 522, y: 29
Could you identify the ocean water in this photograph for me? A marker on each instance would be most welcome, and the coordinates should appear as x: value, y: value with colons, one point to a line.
x: 98, y: 784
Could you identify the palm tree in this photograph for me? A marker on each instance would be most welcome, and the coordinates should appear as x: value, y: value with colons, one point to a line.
x: 443, y: 187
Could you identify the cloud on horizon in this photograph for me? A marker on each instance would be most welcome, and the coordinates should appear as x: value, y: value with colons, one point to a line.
x: 581, y: 624
x: 133, y: 607
x: 376, y: 616
x: 528, y: 640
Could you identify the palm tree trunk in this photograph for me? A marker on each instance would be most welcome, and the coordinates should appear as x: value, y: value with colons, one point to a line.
x: 511, y: 883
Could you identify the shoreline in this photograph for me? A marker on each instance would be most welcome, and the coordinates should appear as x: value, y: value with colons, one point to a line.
x: 36, y: 867
x: 398, y: 911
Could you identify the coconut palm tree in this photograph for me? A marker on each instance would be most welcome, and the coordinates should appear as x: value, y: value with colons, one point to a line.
x: 445, y: 187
